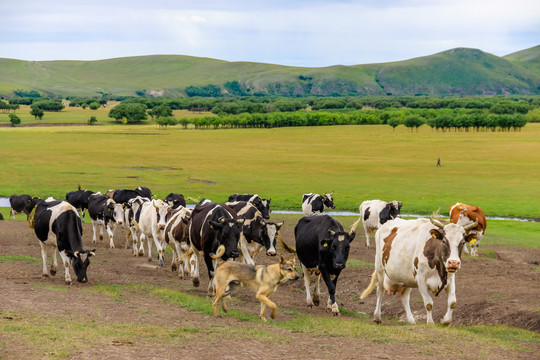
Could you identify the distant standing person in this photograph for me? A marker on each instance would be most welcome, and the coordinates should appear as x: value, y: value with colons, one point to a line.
x: 438, y: 161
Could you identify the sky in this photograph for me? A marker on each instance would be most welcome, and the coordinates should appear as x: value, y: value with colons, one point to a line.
x: 309, y: 33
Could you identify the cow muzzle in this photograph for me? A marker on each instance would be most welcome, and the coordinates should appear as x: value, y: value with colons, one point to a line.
x: 453, y: 266
x: 339, y: 266
x: 161, y: 227
x: 271, y: 253
x: 235, y: 254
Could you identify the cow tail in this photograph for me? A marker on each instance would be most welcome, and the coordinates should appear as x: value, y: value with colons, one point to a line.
x: 284, y: 244
x: 31, y: 218
x: 372, y: 285
x: 355, y: 225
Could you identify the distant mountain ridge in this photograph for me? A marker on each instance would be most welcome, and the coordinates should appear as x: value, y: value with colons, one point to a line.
x: 459, y: 71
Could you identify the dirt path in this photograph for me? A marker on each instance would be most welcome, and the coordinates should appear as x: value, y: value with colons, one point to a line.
x: 498, y: 290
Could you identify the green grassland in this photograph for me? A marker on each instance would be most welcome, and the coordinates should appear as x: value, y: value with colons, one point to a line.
x: 497, y: 171
x: 458, y: 71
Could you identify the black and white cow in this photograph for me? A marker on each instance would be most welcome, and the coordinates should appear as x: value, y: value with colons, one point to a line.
x: 374, y: 213
x: 177, y: 236
x: 257, y: 234
x: 322, y: 246
x: 176, y: 200
x: 22, y: 204
x: 79, y: 199
x: 122, y: 196
x: 263, y: 205
x: 57, y: 224
x: 132, y: 215
x: 105, y: 213
x: 317, y: 204
x: 214, y: 230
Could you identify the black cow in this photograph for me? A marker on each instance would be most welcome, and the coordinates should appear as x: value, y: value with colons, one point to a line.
x: 256, y: 232
x: 176, y: 200
x: 214, y: 230
x: 79, y: 199
x: 22, y: 204
x: 317, y: 204
x: 322, y: 247
x: 105, y: 213
x: 263, y: 205
x: 57, y: 224
x: 122, y: 196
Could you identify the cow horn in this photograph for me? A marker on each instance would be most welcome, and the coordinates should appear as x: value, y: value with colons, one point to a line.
x: 76, y: 254
x: 471, y: 226
x: 332, y: 232
x: 92, y: 253
x: 220, y: 252
x: 154, y: 203
x: 222, y: 220
x: 436, y: 223
x: 263, y: 223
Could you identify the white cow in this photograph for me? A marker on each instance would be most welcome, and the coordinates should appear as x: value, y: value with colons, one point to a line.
x: 152, y: 224
x: 421, y: 253
x: 374, y: 213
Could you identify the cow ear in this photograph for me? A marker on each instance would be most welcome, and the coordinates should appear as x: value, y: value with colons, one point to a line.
x: 471, y: 238
x: 69, y: 253
x: 325, y: 243
x: 436, y: 234
x: 215, y: 224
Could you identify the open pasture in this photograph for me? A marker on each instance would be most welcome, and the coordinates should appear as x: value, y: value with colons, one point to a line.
x: 497, y: 171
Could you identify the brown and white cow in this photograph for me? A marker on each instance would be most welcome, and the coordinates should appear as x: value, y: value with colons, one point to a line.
x: 464, y: 215
x: 421, y: 253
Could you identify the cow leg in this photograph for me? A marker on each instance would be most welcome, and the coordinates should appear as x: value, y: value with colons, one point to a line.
x: 451, y: 291
x: 246, y: 257
x: 149, y: 246
x: 307, y: 283
x: 366, y: 231
x: 95, y: 230
x: 102, y: 225
x: 194, y: 264
x: 160, y: 249
x: 44, y: 257
x: 12, y: 213
x: 474, y: 248
x: 55, y: 262
x: 380, y: 294
x: 175, y: 258
x: 141, y: 241
x: 332, y: 305
x: 210, y: 265
x: 317, y: 290
x: 67, y: 262
x: 428, y: 301
x: 110, y: 231
x: 466, y: 248
x: 405, y: 300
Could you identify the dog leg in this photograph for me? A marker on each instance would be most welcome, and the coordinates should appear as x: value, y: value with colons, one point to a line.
x: 266, y: 302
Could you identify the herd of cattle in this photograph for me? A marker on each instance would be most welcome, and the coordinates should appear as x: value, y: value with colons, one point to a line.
x: 423, y: 253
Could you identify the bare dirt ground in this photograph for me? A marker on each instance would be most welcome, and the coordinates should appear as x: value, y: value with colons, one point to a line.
x: 502, y: 289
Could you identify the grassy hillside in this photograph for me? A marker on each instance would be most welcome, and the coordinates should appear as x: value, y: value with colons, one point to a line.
x: 457, y: 71
x: 528, y: 58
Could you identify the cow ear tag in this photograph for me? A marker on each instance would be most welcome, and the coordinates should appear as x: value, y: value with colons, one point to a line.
x: 325, y: 244
x: 433, y: 235
x: 473, y: 240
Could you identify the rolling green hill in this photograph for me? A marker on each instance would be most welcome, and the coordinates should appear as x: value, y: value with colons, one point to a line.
x: 528, y: 59
x: 458, y: 71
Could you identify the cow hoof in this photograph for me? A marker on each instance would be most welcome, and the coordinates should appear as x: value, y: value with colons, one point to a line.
x: 377, y: 321
x: 149, y: 259
x: 316, y: 302
x: 68, y: 282
x: 53, y: 272
x: 141, y: 253
x: 196, y: 282
x: 174, y: 267
x: 112, y: 246
x: 100, y: 237
x: 45, y: 275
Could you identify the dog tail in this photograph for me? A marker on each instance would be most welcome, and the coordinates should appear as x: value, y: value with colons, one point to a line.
x: 285, y: 246
x: 372, y: 284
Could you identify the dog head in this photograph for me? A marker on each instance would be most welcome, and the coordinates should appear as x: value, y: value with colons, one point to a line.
x: 287, y: 270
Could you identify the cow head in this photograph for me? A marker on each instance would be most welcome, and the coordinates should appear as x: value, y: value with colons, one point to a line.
x: 269, y: 234
x: 162, y: 209
x: 80, y: 261
x: 328, y: 201
x: 390, y: 211
x: 447, y: 244
x: 228, y: 234
x: 337, y: 246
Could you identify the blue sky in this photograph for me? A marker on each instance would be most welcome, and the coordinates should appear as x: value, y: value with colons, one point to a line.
x: 294, y: 32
